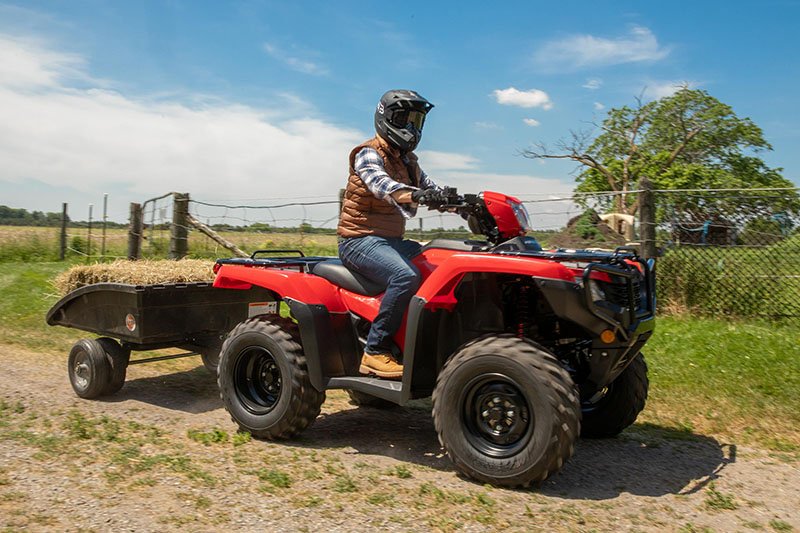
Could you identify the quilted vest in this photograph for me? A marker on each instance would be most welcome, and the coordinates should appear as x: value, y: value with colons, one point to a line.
x: 364, y: 214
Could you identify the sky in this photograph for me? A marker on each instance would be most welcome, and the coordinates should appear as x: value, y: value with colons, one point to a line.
x: 260, y: 102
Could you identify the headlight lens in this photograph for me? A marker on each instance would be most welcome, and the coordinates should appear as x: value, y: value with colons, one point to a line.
x: 598, y: 294
x: 522, y: 215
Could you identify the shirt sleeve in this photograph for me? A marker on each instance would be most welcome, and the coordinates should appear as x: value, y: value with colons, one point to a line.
x: 369, y: 166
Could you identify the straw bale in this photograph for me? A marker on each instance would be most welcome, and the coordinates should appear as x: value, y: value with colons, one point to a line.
x: 143, y: 272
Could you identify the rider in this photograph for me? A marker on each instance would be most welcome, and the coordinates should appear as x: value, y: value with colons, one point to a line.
x: 383, y: 190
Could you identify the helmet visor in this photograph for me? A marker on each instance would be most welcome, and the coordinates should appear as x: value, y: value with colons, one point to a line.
x: 406, y: 117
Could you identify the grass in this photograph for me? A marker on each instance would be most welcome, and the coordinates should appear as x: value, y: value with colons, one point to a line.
x: 740, y: 379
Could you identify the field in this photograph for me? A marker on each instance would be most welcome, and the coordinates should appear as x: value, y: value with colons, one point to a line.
x: 716, y: 448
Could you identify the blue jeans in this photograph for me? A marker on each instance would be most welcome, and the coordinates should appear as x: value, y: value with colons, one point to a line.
x: 385, y: 261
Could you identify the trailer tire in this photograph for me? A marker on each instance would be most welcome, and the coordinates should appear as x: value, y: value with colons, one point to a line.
x: 263, y: 379
x: 118, y: 357
x: 507, y: 413
x: 621, y: 404
x: 89, y: 369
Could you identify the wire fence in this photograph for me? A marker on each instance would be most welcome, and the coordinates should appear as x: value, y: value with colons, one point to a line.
x: 730, y: 252
x: 721, y: 252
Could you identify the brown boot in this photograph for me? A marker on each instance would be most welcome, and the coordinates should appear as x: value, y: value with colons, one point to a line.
x: 382, y: 365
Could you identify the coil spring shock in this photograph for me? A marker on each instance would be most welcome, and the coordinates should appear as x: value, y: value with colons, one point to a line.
x: 523, y: 311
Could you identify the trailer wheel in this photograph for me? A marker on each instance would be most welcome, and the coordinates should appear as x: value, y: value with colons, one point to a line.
x: 89, y: 369
x: 506, y: 412
x: 118, y: 357
x: 263, y: 380
x: 621, y: 404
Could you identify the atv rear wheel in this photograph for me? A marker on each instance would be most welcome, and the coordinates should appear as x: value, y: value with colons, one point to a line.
x: 506, y: 411
x: 621, y: 404
x: 263, y: 380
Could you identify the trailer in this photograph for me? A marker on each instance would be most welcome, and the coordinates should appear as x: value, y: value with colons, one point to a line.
x: 138, y: 318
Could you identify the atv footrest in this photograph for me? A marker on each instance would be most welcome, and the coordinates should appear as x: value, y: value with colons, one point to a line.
x: 380, y: 388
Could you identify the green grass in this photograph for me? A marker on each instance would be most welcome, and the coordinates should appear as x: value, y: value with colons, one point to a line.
x: 740, y: 378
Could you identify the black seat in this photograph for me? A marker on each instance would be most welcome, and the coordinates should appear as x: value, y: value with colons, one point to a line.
x: 334, y: 271
x: 461, y: 246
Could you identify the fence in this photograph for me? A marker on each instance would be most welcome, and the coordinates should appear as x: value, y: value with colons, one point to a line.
x: 731, y: 252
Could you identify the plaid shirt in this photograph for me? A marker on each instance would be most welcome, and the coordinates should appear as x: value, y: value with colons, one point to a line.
x: 369, y: 166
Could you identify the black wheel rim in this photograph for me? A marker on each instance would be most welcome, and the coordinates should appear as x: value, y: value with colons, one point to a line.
x: 496, y: 415
x: 257, y: 380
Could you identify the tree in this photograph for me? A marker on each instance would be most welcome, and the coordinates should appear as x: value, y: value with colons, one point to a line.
x: 689, y: 140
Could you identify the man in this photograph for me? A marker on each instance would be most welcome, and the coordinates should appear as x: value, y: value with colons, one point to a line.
x: 383, y: 190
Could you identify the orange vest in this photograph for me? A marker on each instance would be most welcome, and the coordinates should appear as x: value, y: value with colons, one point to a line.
x: 364, y: 214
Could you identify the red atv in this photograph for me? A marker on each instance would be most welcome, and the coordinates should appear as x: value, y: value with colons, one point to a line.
x: 521, y: 349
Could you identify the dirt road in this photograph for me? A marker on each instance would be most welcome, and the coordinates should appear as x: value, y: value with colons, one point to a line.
x: 163, y: 455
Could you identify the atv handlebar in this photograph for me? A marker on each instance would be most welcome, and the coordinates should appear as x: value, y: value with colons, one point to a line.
x: 448, y: 200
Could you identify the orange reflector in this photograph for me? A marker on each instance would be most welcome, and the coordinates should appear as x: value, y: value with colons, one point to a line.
x: 608, y: 336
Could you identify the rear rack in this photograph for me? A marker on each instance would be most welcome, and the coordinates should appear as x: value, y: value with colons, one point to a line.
x: 302, y: 263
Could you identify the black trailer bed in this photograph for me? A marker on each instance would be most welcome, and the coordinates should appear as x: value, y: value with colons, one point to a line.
x: 149, y: 315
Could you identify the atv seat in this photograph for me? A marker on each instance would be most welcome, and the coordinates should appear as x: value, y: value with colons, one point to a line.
x: 461, y: 246
x: 334, y: 271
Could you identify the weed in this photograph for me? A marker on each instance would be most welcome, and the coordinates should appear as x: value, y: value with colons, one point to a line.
x: 380, y: 499
x: 484, y: 499
x: 780, y: 525
x: 241, y: 437
x: 402, y: 471
x: 276, y: 478
x: 344, y: 483
x: 717, y: 500
x: 213, y: 436
x: 202, y: 502
x: 312, y: 501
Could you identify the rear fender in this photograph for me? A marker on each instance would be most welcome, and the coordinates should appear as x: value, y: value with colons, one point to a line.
x: 298, y: 286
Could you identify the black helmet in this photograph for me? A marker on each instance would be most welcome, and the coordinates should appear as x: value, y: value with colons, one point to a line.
x: 399, y: 118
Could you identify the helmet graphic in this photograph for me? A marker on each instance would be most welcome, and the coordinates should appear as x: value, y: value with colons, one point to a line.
x: 399, y: 118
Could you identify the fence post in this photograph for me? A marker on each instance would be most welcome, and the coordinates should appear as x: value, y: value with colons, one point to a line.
x: 647, y: 218
x: 89, y: 236
x: 135, y: 229
x: 179, y: 233
x: 63, y: 253
x: 105, y: 223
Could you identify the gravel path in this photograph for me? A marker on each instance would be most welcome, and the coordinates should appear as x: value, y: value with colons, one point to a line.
x: 128, y: 464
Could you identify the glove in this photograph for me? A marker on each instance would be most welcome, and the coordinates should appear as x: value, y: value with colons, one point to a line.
x: 427, y: 196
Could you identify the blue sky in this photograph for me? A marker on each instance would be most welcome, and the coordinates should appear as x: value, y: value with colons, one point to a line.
x: 258, y: 101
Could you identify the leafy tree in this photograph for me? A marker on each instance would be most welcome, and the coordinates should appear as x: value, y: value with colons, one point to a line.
x: 689, y: 140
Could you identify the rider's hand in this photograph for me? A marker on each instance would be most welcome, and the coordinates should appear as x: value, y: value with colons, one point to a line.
x: 427, y: 196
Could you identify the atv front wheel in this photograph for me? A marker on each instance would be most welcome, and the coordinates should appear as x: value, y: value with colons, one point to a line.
x: 506, y: 411
x: 263, y: 380
x: 621, y: 404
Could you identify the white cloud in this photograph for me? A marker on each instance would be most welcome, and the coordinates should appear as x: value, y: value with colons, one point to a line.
x: 593, y: 84
x: 98, y: 140
x: 295, y: 63
x: 530, y: 98
x: 433, y: 161
x: 578, y: 51
x: 531, y: 122
x: 598, y: 106
x: 660, y: 89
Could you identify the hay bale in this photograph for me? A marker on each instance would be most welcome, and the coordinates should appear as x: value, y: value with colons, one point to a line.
x: 144, y: 272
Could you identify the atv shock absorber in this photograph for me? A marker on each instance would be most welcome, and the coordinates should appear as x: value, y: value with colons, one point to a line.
x: 523, y: 311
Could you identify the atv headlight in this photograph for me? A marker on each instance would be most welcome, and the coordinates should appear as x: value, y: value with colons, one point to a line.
x: 522, y: 215
x: 598, y: 294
